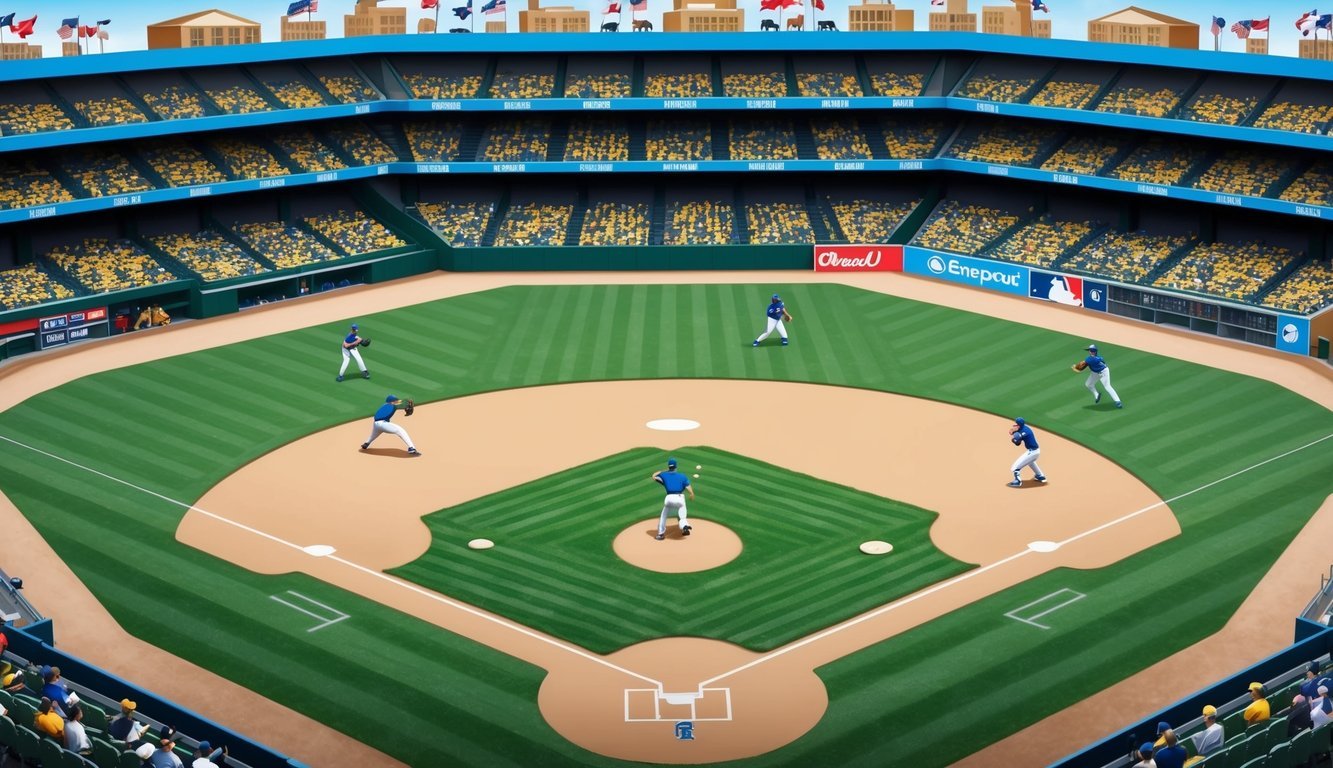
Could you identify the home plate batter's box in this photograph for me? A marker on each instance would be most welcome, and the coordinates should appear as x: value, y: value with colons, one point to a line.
x: 649, y: 705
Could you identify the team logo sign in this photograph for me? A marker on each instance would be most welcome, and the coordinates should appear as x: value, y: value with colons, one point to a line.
x: 859, y: 258
x: 1061, y: 289
x: 936, y: 265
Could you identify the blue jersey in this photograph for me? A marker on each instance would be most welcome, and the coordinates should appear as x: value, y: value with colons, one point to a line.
x: 1028, y: 439
x: 1095, y: 363
x: 775, y: 310
x: 675, y: 482
x: 351, y: 338
x: 385, y: 412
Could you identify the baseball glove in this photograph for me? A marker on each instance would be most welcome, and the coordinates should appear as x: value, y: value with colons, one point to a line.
x: 1015, y: 440
x: 411, y: 406
x: 365, y: 342
x: 1080, y: 365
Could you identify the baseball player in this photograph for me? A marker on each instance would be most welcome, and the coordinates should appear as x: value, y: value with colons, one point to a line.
x: 350, y: 352
x: 676, y: 484
x: 1098, y: 370
x: 383, y: 423
x: 777, y: 312
x: 1021, y: 433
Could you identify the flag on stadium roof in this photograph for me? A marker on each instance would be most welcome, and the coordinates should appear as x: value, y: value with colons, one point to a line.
x: 102, y: 35
x: 1244, y: 27
x: 103, y: 22
x: 769, y: 5
x: 67, y: 28
x: 818, y: 4
x: 612, y: 8
x: 87, y: 31
x: 1325, y: 22
x: 7, y: 21
x: 302, y: 6
x: 638, y: 5
x: 1219, y: 24
x: 428, y: 4
x: 493, y: 6
x: 23, y: 28
x: 1307, y: 21
x: 462, y: 11
x: 1038, y: 5
x: 937, y: 2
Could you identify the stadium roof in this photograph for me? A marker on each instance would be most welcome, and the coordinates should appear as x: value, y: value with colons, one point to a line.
x: 1136, y: 15
x: 210, y: 18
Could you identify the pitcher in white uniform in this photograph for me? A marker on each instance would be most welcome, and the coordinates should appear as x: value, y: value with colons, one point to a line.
x: 676, y: 484
x: 1021, y: 434
x: 350, y: 353
x: 382, y: 423
x: 1099, y: 372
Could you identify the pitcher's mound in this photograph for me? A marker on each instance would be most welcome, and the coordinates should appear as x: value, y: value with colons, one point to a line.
x: 708, y: 546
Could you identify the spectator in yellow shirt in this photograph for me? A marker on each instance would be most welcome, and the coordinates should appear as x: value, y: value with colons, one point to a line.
x: 154, y: 315
x: 48, y: 722
x: 1258, y: 711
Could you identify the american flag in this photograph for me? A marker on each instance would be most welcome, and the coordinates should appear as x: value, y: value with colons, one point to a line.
x: 1219, y: 24
x: 67, y: 28
x: 638, y: 5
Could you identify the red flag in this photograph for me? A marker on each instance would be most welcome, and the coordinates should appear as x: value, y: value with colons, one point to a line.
x: 789, y: 3
x: 818, y: 4
x: 87, y: 31
x: 430, y: 4
x: 1259, y: 25
x: 769, y: 5
x: 23, y: 28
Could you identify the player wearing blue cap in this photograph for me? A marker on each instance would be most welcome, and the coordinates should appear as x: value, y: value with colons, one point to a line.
x: 1098, y: 371
x: 350, y: 352
x: 777, y: 312
x: 382, y: 423
x: 676, y: 484
x: 1021, y: 433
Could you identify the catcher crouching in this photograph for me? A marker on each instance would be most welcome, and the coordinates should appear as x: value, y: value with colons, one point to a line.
x: 383, y: 422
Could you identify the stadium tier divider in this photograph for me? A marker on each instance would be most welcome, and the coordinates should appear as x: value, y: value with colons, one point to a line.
x: 315, y: 83
x: 557, y: 140
x: 1277, y: 279
x: 493, y: 226
x: 1265, y: 102
x: 720, y: 135
x: 1285, y: 179
x: 638, y: 138
x: 1106, y: 88
x: 657, y: 216
x: 912, y: 222
x: 213, y: 156
x: 1187, y: 95
x: 818, y: 222
x: 233, y: 237
x: 821, y: 203
x: 391, y: 133
x: 56, y: 98
x: 280, y: 154
x: 137, y: 162
x: 391, y: 84
x: 469, y: 143
x: 575, y: 224
x: 862, y: 76
x: 1170, y: 261
x: 268, y: 96
x: 1082, y: 242
x: 1205, y: 161
x: 715, y: 74
x: 805, y: 140
x: 561, y: 74
x: 210, y: 106
x: 740, y: 216
x: 488, y: 78
x: 136, y: 99
x: 962, y: 80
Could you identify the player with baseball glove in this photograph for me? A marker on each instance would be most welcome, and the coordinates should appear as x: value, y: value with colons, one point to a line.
x: 350, y: 353
x: 383, y: 422
x: 1021, y: 434
x: 365, y: 342
x: 1098, y: 372
x: 776, y: 313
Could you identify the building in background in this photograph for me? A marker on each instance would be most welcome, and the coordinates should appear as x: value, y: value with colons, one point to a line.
x: 1256, y: 44
x: 1138, y: 26
x: 201, y: 29
x: 70, y: 48
x: 703, y: 16
x: 425, y: 26
x: 367, y: 18
x: 1013, y: 20
x: 955, y: 18
x: 498, y: 25
x: 16, y: 51
x: 557, y: 18
x: 1315, y: 49
x: 879, y: 16
x: 301, y: 30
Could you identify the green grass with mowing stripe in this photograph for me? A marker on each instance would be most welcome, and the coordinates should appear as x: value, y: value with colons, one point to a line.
x: 799, y: 570
x: 180, y: 425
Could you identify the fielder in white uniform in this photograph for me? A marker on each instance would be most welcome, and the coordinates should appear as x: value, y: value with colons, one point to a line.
x: 1099, y: 371
x: 383, y: 423
x: 777, y: 312
x: 676, y: 484
x: 1021, y: 433
x: 350, y: 353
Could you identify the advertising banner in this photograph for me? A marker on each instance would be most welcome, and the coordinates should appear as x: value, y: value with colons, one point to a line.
x: 858, y: 258
x: 1057, y: 288
x: 979, y: 273
x: 1293, y: 334
x: 73, y: 326
x: 1094, y: 295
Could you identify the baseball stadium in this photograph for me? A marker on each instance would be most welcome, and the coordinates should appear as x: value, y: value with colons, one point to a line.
x: 820, y: 289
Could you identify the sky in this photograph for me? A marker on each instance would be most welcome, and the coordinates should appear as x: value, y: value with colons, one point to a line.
x: 1068, y: 17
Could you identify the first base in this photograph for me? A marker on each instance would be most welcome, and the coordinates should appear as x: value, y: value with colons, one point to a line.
x: 876, y: 547
x: 480, y: 544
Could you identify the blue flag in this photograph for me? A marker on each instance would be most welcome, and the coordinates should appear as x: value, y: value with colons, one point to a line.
x: 103, y: 22
x: 299, y: 6
x: 464, y: 11
x: 7, y: 21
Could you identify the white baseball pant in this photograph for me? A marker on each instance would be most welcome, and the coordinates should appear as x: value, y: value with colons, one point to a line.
x: 673, y: 503
x: 393, y: 429
x: 1105, y: 378
x: 773, y: 322
x: 348, y: 356
x: 1028, y: 459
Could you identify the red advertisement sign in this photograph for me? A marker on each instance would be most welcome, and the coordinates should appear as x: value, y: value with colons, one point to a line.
x: 858, y: 258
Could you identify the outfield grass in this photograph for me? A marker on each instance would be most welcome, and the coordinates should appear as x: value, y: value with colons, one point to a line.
x: 180, y: 425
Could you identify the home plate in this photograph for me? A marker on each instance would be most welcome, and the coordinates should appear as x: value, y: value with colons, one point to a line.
x: 319, y: 550
x: 876, y: 547
x: 480, y: 544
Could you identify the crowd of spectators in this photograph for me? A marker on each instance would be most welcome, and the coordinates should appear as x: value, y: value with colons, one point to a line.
x: 110, y: 110
x: 248, y: 160
x: 869, y: 221
x: 522, y: 85
x: 180, y: 164
x: 994, y: 88
x: 1308, y: 289
x: 1133, y: 100
x: 238, y: 99
x: 102, y: 265
x: 678, y: 140
x: 33, y: 117
x: 839, y: 139
x: 103, y: 173
x: 354, y: 232
x: 27, y: 285
x: 1219, y: 108
x: 307, y: 151
x: 432, y: 141
x: 1242, y: 172
x: 294, y: 94
x: 348, y: 89
x: 516, y: 141
x: 175, y: 102
x: 1125, y: 256
x: 963, y: 228
x: 762, y: 140
x: 1001, y: 143
x: 1314, y: 186
x: 1041, y: 242
x: 359, y: 142
x: 911, y: 139
x: 699, y: 222
x: 25, y: 184
x: 1069, y: 94
x: 897, y: 83
x: 597, y: 140
x: 534, y: 224
x: 463, y: 225
x: 779, y: 223
x: 842, y: 84
x: 682, y: 85
x: 209, y: 255
x: 426, y: 86
x: 608, y: 85
x: 1159, y: 161
x: 1231, y: 270
x: 609, y: 223
x: 1086, y: 153
x: 1299, y: 118
x: 754, y: 85
x: 286, y: 245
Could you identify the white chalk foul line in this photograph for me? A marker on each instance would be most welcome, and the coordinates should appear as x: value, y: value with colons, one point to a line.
x: 377, y: 574
x: 909, y: 599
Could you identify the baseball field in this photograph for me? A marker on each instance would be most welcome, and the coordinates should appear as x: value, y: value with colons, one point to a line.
x: 204, y: 485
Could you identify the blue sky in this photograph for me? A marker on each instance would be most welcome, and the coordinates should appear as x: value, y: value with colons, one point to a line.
x: 1069, y: 17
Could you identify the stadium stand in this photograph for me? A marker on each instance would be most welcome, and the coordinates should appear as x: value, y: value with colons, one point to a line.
x: 309, y: 153
x: 963, y: 227
x: 110, y: 110
x: 238, y: 99
x: 180, y: 164
x: 1218, y: 108
x: 1308, y: 289
x: 430, y: 86
x: 32, y: 117
x: 522, y: 85
x: 1314, y: 186
x: 433, y: 141
x: 597, y: 140
x: 779, y: 222
x: 898, y: 74
x: 608, y: 223
x: 293, y: 93
x: 839, y: 139
x: 534, y: 224
x: 358, y: 141
x: 248, y: 160
x: 994, y: 88
x: 609, y: 85
x: 1231, y: 270
x: 174, y: 102
x: 1086, y: 153
x: 828, y: 84
x: 1125, y: 256
x: 100, y: 172
x: 677, y: 85
x: 1244, y: 172
x: 348, y: 89
x: 516, y: 141
x: 699, y: 222
x: 910, y: 138
x: 754, y: 85
x: 209, y: 255
x: 28, y: 285
x: 870, y: 221
x: 462, y: 224
x: 1298, y: 108
x: 678, y: 140
x: 1132, y: 100
x: 1040, y: 243
x: 24, y: 184
x: 897, y: 83
x: 354, y: 232
x: 762, y: 140
x: 101, y: 265
x: 1065, y: 93
x: 283, y: 244
x: 1007, y: 143
x: 1159, y: 161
